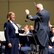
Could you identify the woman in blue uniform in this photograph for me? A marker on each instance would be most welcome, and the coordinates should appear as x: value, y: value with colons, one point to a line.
x: 11, y: 34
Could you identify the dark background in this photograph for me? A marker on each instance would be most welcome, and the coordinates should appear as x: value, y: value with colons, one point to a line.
x: 19, y: 6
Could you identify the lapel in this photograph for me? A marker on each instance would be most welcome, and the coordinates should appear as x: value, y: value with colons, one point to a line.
x: 11, y: 25
x: 16, y: 25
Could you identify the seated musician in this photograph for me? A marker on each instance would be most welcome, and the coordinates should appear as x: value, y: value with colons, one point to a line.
x: 26, y: 31
x: 51, y: 44
x: 24, y: 40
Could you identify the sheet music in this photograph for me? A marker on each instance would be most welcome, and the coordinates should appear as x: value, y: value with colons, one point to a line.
x: 2, y: 37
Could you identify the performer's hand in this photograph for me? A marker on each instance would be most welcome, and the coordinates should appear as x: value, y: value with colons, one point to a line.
x: 27, y: 11
x: 9, y: 45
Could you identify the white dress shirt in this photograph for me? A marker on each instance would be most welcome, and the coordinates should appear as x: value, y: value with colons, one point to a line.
x: 52, y: 39
x: 15, y: 26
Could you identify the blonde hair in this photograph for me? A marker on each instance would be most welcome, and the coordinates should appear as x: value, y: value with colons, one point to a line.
x: 31, y: 27
x: 9, y: 14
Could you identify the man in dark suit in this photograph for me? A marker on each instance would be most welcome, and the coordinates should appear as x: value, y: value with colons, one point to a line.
x: 41, y: 27
x: 11, y: 33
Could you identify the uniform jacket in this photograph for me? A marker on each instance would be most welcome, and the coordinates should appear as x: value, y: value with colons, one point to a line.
x: 9, y: 31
